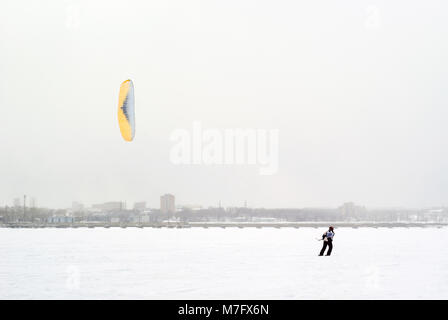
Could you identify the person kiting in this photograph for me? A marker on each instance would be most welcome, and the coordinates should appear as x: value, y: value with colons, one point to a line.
x: 327, y: 237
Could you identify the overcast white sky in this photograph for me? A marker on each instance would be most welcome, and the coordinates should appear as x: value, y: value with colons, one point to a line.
x: 358, y: 90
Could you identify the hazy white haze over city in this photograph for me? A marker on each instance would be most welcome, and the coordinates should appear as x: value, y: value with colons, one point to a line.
x: 357, y: 91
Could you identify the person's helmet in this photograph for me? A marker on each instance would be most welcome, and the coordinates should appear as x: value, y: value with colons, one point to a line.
x: 331, y: 228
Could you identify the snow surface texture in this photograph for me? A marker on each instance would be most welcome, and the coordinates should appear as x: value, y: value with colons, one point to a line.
x: 215, y: 263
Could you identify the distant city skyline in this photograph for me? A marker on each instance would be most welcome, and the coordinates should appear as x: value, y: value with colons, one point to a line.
x: 169, y: 204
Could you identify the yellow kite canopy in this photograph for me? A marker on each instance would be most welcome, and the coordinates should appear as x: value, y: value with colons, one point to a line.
x: 126, y: 113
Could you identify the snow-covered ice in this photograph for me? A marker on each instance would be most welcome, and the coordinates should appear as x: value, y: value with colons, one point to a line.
x: 214, y: 263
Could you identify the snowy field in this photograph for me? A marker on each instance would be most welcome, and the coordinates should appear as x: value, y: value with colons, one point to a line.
x: 218, y: 263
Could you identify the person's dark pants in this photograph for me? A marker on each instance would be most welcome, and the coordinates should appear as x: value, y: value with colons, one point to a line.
x: 328, y: 243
